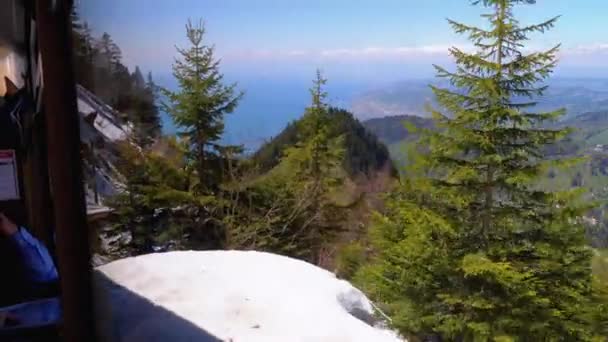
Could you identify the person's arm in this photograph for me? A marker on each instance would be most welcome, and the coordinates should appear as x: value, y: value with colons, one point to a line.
x: 38, y: 264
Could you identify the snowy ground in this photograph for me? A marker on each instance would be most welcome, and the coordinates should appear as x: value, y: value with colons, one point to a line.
x: 230, y: 296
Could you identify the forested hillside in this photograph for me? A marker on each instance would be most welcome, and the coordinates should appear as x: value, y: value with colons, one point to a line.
x: 364, y: 153
x: 99, y: 69
x: 400, y: 133
x: 394, y: 129
x: 591, y: 129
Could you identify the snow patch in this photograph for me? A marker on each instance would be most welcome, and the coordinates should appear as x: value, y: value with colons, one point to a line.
x: 106, y: 121
x: 231, y: 296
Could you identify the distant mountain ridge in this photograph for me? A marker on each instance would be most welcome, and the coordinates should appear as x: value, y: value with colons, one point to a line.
x: 577, y: 96
x: 589, y: 120
x: 591, y: 134
x: 591, y: 130
x: 392, y: 129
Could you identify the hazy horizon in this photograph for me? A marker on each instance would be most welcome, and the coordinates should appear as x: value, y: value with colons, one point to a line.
x: 271, y: 48
x: 367, y: 40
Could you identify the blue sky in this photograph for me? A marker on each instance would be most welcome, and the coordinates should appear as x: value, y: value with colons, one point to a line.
x: 272, y: 47
x: 358, y: 39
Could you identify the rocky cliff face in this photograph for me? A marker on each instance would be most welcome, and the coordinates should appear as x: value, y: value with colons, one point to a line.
x: 101, y: 127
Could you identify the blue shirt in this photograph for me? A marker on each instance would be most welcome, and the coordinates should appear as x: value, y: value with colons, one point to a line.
x: 39, y: 266
x: 39, y: 269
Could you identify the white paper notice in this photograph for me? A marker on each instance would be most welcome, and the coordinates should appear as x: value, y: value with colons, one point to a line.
x: 9, y: 184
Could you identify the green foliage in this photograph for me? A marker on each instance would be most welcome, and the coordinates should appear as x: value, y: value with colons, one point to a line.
x: 83, y: 51
x: 265, y: 214
x: 142, y: 110
x: 364, y: 153
x: 195, y: 193
x: 350, y: 259
x: 158, y: 209
x: 314, y: 164
x: 395, y: 129
x: 401, y: 133
x: 600, y: 285
x: 269, y: 154
x: 279, y: 212
x: 290, y: 209
x: 469, y: 248
x: 198, y: 108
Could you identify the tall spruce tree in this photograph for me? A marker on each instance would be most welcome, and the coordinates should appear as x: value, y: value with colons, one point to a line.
x: 473, y: 250
x: 316, y: 170
x: 143, y: 111
x: 110, y: 55
x: 199, y: 106
x: 317, y: 153
x: 83, y: 51
x: 138, y: 79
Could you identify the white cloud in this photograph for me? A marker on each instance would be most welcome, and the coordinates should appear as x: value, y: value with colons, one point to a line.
x: 589, y: 49
x: 583, y: 55
x: 396, y: 53
x: 403, y: 51
x: 347, y: 54
x: 589, y: 56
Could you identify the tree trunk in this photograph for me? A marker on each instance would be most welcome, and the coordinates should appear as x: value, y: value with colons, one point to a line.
x: 202, y: 180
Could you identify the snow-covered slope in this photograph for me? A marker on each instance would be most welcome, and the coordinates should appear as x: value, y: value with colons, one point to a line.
x: 230, y: 296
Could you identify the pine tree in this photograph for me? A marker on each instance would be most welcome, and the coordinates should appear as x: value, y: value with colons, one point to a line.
x: 138, y: 79
x: 132, y: 213
x: 143, y: 110
x: 319, y: 160
x: 83, y: 52
x: 473, y: 250
x: 112, y: 80
x: 315, y: 166
x: 198, y: 108
x: 157, y: 208
x: 109, y: 53
x: 152, y: 115
x: 290, y: 209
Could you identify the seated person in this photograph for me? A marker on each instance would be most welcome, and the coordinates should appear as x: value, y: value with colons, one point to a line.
x: 36, y: 271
